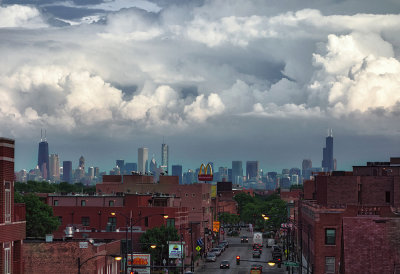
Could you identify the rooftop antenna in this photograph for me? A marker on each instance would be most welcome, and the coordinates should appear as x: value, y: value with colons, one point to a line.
x: 45, y: 135
x: 41, y: 135
x: 330, y: 132
x: 163, y: 140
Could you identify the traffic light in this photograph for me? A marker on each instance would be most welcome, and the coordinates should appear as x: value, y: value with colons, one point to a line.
x: 279, y: 262
x: 238, y: 260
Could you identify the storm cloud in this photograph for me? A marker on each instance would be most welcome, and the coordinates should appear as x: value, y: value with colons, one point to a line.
x: 121, y: 70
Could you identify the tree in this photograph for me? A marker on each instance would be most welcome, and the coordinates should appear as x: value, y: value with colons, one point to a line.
x: 242, y: 199
x: 158, y: 236
x: 39, y: 216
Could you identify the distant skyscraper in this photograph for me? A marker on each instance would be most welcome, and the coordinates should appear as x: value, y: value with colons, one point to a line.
x: 121, y: 165
x: 237, y: 172
x: 327, y: 153
x: 153, y: 165
x: 143, y: 157
x: 43, y: 157
x: 67, y: 171
x: 164, y: 157
x: 91, y: 172
x: 82, y: 163
x: 97, y: 172
x: 129, y: 167
x: 54, y: 168
x: 177, y: 171
x: 252, y: 170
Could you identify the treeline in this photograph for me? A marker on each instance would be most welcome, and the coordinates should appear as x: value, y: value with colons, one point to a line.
x: 251, y: 210
x: 46, y: 187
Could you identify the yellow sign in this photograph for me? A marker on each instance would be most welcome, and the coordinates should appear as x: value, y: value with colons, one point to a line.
x: 216, y: 226
x: 205, y: 173
x: 198, y: 248
x: 213, y: 191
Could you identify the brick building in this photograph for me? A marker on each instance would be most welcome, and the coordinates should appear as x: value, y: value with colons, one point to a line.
x: 349, y: 221
x: 62, y: 257
x: 12, y: 216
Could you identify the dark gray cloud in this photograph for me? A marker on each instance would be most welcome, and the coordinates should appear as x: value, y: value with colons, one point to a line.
x: 220, y: 80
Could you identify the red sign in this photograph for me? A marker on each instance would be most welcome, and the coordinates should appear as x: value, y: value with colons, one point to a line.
x: 205, y: 173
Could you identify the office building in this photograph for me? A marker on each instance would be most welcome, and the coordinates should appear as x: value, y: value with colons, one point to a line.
x: 121, y: 165
x: 129, y: 167
x: 327, y: 153
x: 43, y: 157
x: 164, y: 157
x: 82, y: 163
x: 54, y: 168
x: 252, y: 170
x: 67, y: 171
x: 91, y: 172
x: 143, y: 157
x: 237, y: 172
x: 177, y: 171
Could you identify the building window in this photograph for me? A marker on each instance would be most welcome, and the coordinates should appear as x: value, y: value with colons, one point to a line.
x: 330, y: 236
x: 112, y: 223
x: 387, y: 194
x: 146, y: 221
x: 7, y: 200
x: 171, y: 222
x: 193, y: 194
x: 7, y: 258
x: 110, y: 203
x: 329, y: 264
x: 186, y: 195
x: 60, y: 219
x: 55, y: 202
x: 83, y: 202
x: 85, y: 221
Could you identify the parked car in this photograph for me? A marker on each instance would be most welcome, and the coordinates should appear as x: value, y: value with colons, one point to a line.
x: 256, y: 254
x: 256, y: 269
x: 221, y: 246
x: 226, y: 243
x: 224, y: 264
x: 211, y: 257
x: 244, y: 239
x: 216, y: 250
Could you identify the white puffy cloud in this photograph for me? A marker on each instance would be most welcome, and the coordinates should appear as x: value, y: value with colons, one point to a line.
x: 204, y: 107
x: 16, y: 16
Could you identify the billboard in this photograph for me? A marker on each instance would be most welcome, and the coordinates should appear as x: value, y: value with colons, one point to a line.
x: 216, y: 226
x: 175, y: 250
x: 139, y: 263
x: 205, y: 173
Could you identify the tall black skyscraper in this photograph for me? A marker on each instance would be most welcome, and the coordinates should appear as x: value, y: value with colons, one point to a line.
x: 327, y: 153
x: 237, y: 172
x: 67, y: 171
x: 43, y: 156
x: 252, y: 170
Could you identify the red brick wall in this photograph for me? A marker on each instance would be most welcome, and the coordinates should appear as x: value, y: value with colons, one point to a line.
x: 309, y: 189
x: 374, y: 188
x: 341, y: 190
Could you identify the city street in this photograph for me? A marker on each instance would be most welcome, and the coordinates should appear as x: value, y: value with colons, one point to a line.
x: 244, y: 250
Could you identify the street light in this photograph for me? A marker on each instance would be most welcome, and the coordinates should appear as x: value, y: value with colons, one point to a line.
x: 129, y: 219
x: 116, y: 257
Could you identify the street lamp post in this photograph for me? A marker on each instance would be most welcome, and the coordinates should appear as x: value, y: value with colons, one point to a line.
x: 116, y: 257
x: 131, y: 224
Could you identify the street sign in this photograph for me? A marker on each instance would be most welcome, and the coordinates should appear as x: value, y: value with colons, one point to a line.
x: 198, y: 248
x: 216, y: 226
x: 291, y: 264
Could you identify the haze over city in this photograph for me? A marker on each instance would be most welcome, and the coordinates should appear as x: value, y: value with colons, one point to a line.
x: 219, y: 80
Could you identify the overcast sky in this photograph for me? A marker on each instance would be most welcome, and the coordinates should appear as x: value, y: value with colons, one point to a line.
x: 220, y: 80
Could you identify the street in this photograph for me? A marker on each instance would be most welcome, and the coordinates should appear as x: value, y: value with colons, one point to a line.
x: 244, y: 250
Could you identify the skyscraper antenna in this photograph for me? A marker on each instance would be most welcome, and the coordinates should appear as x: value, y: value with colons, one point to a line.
x: 45, y: 135
x: 163, y: 140
x: 41, y: 135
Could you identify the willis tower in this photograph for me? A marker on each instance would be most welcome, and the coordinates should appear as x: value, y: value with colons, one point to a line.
x: 327, y: 153
x: 43, y: 156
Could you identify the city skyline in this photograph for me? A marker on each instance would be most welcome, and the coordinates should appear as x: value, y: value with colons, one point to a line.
x: 220, y: 80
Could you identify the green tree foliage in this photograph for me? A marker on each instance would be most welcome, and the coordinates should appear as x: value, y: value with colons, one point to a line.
x: 46, y: 187
x: 39, y: 216
x: 158, y: 236
x: 252, y: 208
x: 227, y: 218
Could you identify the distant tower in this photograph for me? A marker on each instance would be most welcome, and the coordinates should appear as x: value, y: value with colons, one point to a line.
x: 143, y: 157
x: 153, y: 165
x: 177, y: 171
x: 54, y: 168
x: 67, y: 171
x: 43, y: 156
x: 121, y: 165
x: 164, y: 157
x: 82, y: 163
x: 252, y: 170
x: 237, y: 172
x: 327, y: 153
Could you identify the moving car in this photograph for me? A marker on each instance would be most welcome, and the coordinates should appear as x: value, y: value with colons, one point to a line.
x: 211, y: 257
x: 256, y: 254
x: 224, y: 264
x: 244, y: 239
x: 256, y: 269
